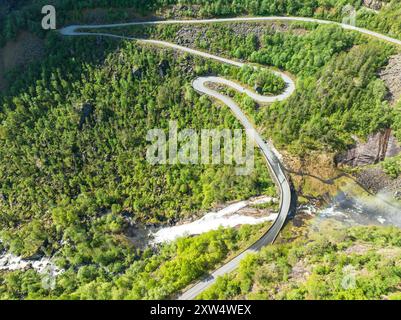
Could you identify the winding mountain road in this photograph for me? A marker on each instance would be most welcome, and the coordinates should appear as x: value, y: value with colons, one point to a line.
x: 71, y: 30
x: 200, y: 85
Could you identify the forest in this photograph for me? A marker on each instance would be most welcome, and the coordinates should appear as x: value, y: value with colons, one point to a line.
x: 60, y: 158
x: 392, y: 166
x: 117, y: 271
x: 357, y: 263
x: 72, y: 139
x: 324, y: 60
x: 75, y: 178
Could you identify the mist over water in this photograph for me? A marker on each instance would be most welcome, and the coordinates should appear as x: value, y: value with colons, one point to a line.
x: 370, y: 210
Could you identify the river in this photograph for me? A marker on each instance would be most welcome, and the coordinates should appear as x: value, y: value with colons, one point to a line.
x: 229, y: 216
x: 368, y: 210
x: 372, y: 210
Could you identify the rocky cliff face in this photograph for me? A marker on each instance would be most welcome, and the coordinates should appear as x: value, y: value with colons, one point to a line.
x: 383, y: 144
x: 378, y: 147
x: 188, y: 36
x: 375, y: 180
x: 393, y: 147
x: 391, y: 76
x: 373, y: 4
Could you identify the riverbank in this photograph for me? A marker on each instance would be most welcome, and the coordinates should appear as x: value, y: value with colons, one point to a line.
x: 233, y: 215
x: 256, y: 210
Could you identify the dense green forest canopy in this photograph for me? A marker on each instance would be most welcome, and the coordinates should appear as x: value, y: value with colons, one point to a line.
x: 72, y: 140
x: 117, y: 271
x: 65, y: 165
x: 73, y: 137
x: 339, y: 93
x: 358, y: 263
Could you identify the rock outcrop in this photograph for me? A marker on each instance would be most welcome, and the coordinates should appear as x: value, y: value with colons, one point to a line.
x: 86, y: 112
x: 183, y: 11
x: 375, y: 180
x: 393, y: 147
x: 137, y: 72
x: 383, y: 144
x: 391, y: 76
x: 163, y: 67
x: 378, y: 147
x: 373, y: 4
x: 189, y: 35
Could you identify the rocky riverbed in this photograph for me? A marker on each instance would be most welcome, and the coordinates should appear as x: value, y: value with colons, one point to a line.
x: 364, y: 210
x: 252, y: 211
x: 11, y: 262
x: 236, y: 214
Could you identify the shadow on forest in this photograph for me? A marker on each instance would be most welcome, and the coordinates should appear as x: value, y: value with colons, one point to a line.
x: 64, y: 58
x: 329, y: 181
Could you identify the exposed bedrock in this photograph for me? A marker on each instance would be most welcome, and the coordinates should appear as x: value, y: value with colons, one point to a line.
x: 375, y: 180
x: 188, y: 35
x: 391, y: 75
x: 373, y: 4
x: 378, y: 147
